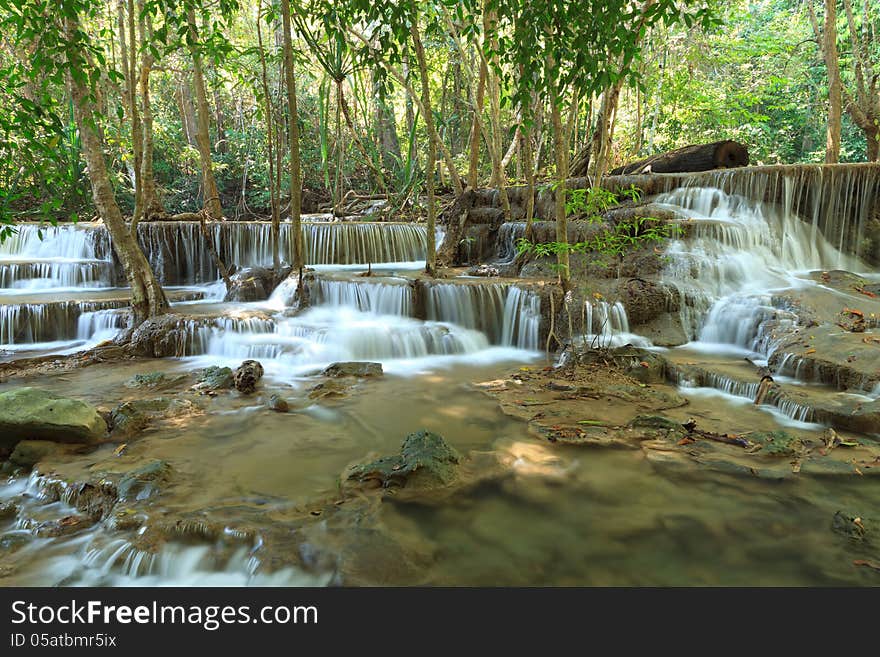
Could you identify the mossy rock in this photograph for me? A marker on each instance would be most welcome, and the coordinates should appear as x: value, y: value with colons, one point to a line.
x: 657, y: 423
x: 154, y: 380
x: 143, y: 482
x: 216, y: 378
x: 28, y: 453
x: 425, y: 460
x: 34, y: 414
x: 777, y: 443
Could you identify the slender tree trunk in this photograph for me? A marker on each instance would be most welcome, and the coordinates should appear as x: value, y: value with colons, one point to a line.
x: 293, y: 138
x: 498, y: 176
x: 340, y: 151
x: 147, y: 297
x: 152, y: 205
x: 187, y: 111
x: 476, y: 127
x: 274, y: 192
x: 136, y: 130
x: 203, y: 113
x: 835, y: 101
x: 827, y: 39
x: 385, y: 128
x: 561, y: 147
x: 430, y: 163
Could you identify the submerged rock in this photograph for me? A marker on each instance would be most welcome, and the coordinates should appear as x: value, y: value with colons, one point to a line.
x: 134, y: 416
x: 425, y: 460
x: 154, y: 380
x: 144, y: 481
x: 278, y: 404
x: 247, y: 375
x: 31, y: 413
x: 356, y: 368
x: 28, y: 453
x: 215, y: 378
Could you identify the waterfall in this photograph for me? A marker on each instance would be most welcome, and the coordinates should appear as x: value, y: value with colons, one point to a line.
x: 834, y: 200
x: 384, y: 298
x: 734, y: 252
x: 508, y: 315
x: 179, y: 253
x: 64, y: 241
x: 27, y: 323
x: 508, y: 235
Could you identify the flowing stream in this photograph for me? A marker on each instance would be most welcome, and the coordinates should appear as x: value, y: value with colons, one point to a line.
x: 562, y: 516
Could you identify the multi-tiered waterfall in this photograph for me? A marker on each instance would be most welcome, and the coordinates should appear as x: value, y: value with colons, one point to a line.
x: 353, y: 318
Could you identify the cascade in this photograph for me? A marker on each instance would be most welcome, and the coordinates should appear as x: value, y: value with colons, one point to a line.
x: 735, y: 252
x: 837, y: 201
x: 508, y: 235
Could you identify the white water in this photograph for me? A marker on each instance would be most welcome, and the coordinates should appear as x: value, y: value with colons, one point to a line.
x: 736, y: 254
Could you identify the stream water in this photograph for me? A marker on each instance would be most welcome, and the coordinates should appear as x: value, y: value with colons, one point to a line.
x: 557, y: 515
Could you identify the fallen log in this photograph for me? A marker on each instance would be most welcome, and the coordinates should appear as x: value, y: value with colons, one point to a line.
x: 725, y: 154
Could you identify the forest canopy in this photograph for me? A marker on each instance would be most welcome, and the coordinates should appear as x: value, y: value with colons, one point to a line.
x: 191, y: 102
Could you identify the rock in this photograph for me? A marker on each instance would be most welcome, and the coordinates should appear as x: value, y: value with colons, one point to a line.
x: 164, y: 336
x: 154, y: 380
x: 328, y: 389
x: 646, y: 300
x: 656, y: 422
x: 131, y: 417
x: 247, y: 375
x: 254, y: 283
x: 143, y: 482
x: 278, y: 404
x: 777, y: 443
x: 215, y: 378
x: 425, y: 460
x: 359, y: 369
x: 28, y: 453
x: 34, y: 414
x: 483, y: 270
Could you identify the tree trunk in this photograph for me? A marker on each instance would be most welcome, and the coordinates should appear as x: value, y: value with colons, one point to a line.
x: 385, y: 128
x: 147, y: 297
x: 136, y: 131
x: 498, y: 176
x: 561, y: 146
x: 274, y: 192
x: 187, y: 111
x: 476, y: 129
x: 430, y: 163
x: 697, y: 157
x: 835, y: 102
x: 293, y: 139
x: 203, y: 138
x: 152, y: 206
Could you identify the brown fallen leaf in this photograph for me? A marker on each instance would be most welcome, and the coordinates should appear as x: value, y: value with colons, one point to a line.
x: 686, y: 441
x: 810, y: 351
x: 867, y: 293
x: 853, y: 311
x: 864, y: 562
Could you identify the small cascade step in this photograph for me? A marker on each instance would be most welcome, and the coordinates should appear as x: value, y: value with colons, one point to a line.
x: 50, y: 273
x: 802, y: 402
x: 42, y: 317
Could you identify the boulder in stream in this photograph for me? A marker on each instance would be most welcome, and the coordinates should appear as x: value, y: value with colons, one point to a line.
x: 425, y: 461
x: 254, y: 283
x: 215, y: 378
x: 356, y: 368
x: 247, y: 375
x: 35, y: 414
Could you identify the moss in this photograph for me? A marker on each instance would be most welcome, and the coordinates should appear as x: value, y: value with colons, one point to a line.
x: 425, y: 459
